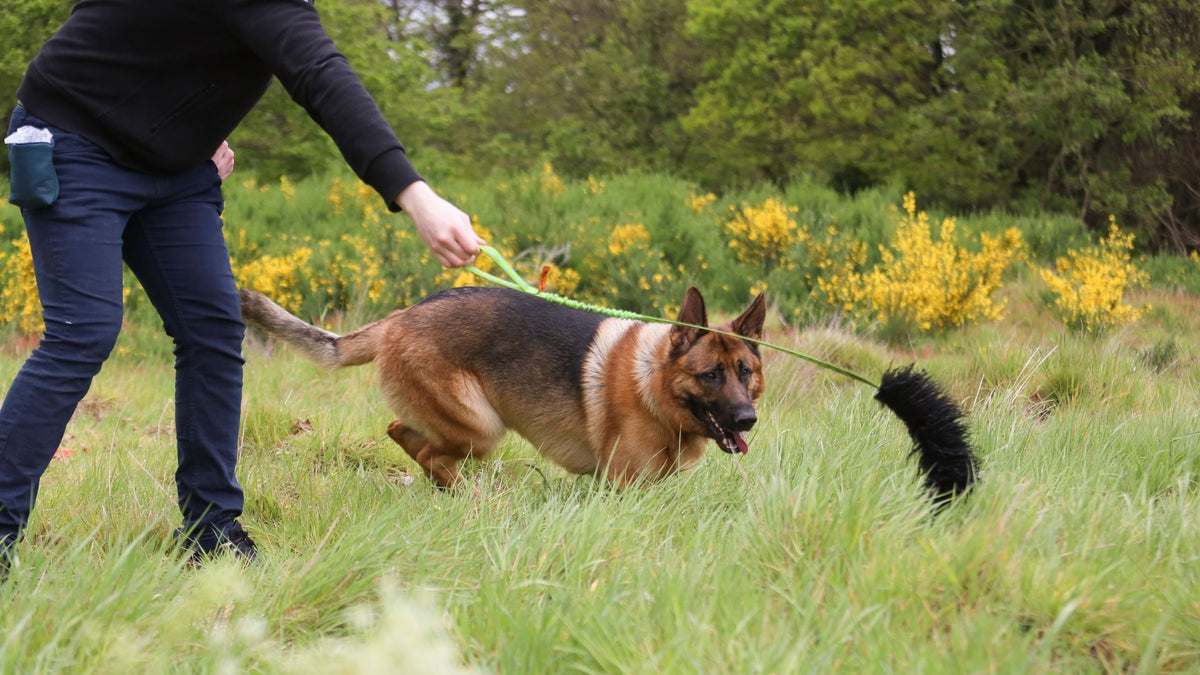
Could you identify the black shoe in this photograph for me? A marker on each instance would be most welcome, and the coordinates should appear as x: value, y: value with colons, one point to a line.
x: 233, y: 541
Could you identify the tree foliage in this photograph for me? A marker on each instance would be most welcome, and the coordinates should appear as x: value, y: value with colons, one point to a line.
x: 25, y: 25
x: 591, y: 85
x: 1100, y: 103
x: 1087, y: 106
x: 1029, y: 104
x: 811, y: 87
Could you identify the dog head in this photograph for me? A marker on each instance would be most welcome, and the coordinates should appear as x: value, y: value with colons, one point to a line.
x: 715, y: 378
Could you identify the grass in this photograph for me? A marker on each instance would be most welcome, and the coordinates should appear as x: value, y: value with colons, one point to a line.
x: 1077, y: 552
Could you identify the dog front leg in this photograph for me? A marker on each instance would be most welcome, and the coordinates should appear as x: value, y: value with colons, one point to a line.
x: 627, y: 467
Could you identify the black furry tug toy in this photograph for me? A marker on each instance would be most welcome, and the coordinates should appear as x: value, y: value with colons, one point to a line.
x: 935, y: 424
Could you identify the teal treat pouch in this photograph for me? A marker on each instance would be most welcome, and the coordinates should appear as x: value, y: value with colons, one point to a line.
x: 33, y: 182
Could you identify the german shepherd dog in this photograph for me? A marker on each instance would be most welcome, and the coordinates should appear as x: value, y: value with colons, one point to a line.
x: 623, y: 399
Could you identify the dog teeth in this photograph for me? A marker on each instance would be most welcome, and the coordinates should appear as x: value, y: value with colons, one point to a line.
x: 733, y: 442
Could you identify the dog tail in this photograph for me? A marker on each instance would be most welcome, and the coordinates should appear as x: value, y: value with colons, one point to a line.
x: 327, y: 349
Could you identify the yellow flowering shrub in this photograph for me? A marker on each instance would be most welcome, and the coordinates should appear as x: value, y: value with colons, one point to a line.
x: 324, y: 248
x: 832, y: 260
x: 1089, y: 284
x: 698, y: 203
x: 762, y: 235
x: 19, y: 302
x: 340, y: 276
x: 625, y: 269
x: 927, y: 283
x: 551, y: 183
x: 337, y: 196
x: 629, y: 237
x: 562, y: 280
x: 279, y: 277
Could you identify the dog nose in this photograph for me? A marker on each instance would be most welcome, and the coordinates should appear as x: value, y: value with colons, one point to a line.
x: 743, y: 420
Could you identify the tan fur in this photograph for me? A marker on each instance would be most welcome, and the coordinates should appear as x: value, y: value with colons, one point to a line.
x: 612, y: 397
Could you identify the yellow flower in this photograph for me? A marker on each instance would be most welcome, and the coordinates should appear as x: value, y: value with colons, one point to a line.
x: 924, y: 282
x: 1089, y: 284
x: 563, y: 281
x: 19, y: 301
x: 551, y: 183
x: 698, y: 203
x: 628, y: 237
x: 276, y: 276
x: 762, y: 235
x: 336, y: 197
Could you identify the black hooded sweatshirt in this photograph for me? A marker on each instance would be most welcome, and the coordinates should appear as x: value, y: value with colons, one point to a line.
x: 158, y: 84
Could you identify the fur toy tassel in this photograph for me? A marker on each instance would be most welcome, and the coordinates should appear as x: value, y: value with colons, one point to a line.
x: 935, y: 425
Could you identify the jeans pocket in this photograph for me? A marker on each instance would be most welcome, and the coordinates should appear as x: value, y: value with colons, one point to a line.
x: 33, y: 181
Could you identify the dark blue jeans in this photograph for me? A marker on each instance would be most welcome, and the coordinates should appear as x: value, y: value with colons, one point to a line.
x: 167, y: 229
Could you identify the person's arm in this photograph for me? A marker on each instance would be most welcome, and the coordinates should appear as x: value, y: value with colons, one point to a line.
x: 288, y: 37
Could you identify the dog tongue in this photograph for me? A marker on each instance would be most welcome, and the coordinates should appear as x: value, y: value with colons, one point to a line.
x: 739, y: 439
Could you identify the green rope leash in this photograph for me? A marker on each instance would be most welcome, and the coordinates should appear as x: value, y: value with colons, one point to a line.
x: 515, y: 282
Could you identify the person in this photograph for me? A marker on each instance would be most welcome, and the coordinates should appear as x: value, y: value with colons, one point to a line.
x: 139, y: 96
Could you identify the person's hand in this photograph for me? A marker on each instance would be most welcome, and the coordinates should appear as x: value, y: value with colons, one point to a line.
x: 223, y: 158
x: 444, y: 228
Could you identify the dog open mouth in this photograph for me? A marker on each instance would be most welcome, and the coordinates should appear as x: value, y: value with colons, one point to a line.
x: 732, y: 442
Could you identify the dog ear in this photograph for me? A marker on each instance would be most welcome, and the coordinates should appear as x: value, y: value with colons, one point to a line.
x: 750, y: 323
x: 692, y: 312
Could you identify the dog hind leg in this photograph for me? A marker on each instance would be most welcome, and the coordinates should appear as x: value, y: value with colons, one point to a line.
x: 439, y: 468
x: 439, y: 460
x: 443, y: 414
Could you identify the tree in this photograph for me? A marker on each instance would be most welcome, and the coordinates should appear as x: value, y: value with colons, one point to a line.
x: 1101, y: 105
x: 594, y: 85
x: 458, y: 33
x: 812, y: 87
x: 25, y: 25
x: 1084, y: 105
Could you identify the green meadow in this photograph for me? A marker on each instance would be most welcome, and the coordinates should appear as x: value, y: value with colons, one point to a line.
x: 1078, y: 550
